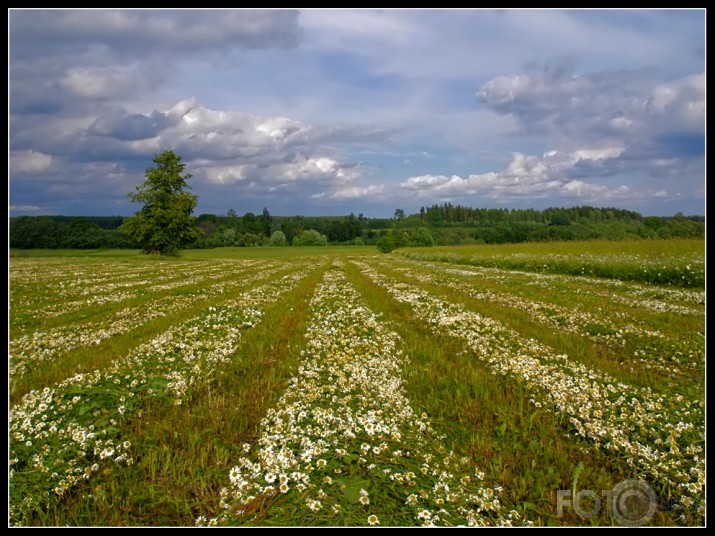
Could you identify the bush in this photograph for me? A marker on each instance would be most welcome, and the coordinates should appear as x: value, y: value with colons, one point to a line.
x: 386, y: 243
x: 310, y: 238
x: 278, y: 239
x: 422, y: 237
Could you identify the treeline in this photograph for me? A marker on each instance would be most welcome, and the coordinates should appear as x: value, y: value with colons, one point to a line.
x: 66, y: 232
x: 225, y: 230
x: 448, y: 214
x: 256, y: 230
x: 445, y: 224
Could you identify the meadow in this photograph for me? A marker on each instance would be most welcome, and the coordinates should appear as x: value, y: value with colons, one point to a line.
x: 337, y: 386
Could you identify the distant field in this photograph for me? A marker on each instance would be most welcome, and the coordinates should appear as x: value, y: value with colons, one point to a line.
x: 484, y: 385
x: 679, y: 262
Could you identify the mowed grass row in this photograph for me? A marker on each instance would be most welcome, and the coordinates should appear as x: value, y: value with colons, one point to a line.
x: 43, y: 357
x: 658, y: 347
x: 344, y: 446
x: 64, y: 434
x: 489, y: 419
x: 660, y: 435
x: 82, y: 292
x: 183, y: 455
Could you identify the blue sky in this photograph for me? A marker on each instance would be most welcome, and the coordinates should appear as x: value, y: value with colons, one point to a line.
x: 326, y: 112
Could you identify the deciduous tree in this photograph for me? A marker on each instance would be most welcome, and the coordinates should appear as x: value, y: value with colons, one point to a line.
x: 164, y: 224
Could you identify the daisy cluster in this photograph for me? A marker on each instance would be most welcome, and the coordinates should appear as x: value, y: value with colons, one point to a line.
x: 62, y: 435
x: 183, y: 276
x: 600, y: 327
x: 636, y: 295
x: 675, y: 357
x: 53, y: 287
x: 45, y: 345
x: 343, y: 443
x: 662, y: 437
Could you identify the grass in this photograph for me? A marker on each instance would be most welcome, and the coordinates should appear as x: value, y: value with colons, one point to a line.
x: 488, y: 418
x: 676, y: 262
x: 514, y: 298
x: 181, y: 455
x: 93, y: 356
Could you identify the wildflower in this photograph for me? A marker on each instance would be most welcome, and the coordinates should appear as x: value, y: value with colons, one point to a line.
x: 373, y: 520
x: 313, y: 504
x: 424, y: 514
x: 234, y: 474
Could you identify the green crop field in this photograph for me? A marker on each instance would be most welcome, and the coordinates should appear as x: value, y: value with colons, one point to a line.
x: 538, y: 384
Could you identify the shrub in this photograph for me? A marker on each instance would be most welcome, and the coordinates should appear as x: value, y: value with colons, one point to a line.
x: 278, y: 239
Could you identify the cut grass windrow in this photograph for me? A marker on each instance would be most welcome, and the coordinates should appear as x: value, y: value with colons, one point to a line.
x: 673, y: 355
x: 63, y: 435
x: 661, y: 437
x: 28, y: 350
x: 343, y: 446
x: 84, y: 289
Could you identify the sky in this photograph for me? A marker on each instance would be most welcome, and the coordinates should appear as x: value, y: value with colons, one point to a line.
x: 328, y: 112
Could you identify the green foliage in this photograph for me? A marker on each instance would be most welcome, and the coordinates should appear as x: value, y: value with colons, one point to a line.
x: 278, y: 239
x: 386, y: 243
x: 164, y: 224
x: 51, y: 232
x: 310, y: 237
x: 447, y: 224
x: 653, y: 222
x: 422, y: 237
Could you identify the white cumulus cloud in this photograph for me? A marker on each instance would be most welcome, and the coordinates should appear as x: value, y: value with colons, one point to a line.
x: 29, y: 161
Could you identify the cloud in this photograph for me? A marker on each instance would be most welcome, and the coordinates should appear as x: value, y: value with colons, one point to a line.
x: 644, y: 128
x: 63, y: 60
x: 527, y: 176
x: 359, y: 192
x: 132, y: 34
x: 562, y: 104
x: 197, y: 133
x: 108, y: 83
x: 272, y: 174
x: 24, y: 209
x: 221, y: 148
x: 127, y: 127
x: 29, y: 161
x: 620, y: 105
x: 303, y: 109
x: 200, y: 132
x: 678, y: 106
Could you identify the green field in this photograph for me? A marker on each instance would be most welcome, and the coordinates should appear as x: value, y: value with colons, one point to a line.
x: 335, y: 386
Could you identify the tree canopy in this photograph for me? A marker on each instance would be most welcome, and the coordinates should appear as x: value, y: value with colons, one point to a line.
x: 164, y: 224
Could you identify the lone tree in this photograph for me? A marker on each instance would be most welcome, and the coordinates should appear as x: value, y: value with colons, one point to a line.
x: 164, y: 224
